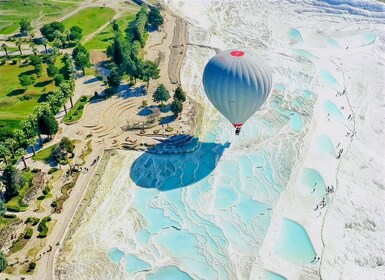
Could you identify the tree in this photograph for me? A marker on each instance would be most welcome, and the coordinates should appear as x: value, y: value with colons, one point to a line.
x: 35, y: 60
x: 161, y: 94
x: 33, y: 47
x: 32, y: 118
x: 39, y: 69
x: 18, y: 44
x: 59, y: 79
x: 47, y: 30
x: 31, y: 142
x: 55, y: 101
x: 64, y: 148
x: 52, y: 70
x: 20, y: 153
x: 179, y: 95
x: 4, y: 153
x: 81, y: 57
x: 44, y: 41
x: 47, y: 124
x: 3, y: 209
x: 27, y: 128
x: 20, y: 136
x: 9, y: 179
x: 75, y: 33
x: 11, y: 144
x: 149, y: 71
x: 115, y: 25
x: 154, y: 18
x: 26, y: 80
x: 25, y: 26
x: 176, y: 107
x: 113, y: 80
x: 67, y: 88
x: 5, y: 48
x: 3, y: 262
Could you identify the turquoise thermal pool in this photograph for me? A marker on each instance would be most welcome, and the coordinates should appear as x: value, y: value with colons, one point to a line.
x: 294, y: 244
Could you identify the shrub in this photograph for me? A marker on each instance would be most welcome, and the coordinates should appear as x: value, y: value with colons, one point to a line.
x: 28, y: 233
x: 41, y: 197
x: 169, y: 129
x: 83, y: 98
x: 54, y: 204
x: 46, y: 190
x: 13, y: 208
x: 81, y: 106
x: 24, y: 97
x: 52, y: 170
x: 35, y: 170
x: 9, y: 216
x: 42, y: 227
x: 144, y: 103
x: 31, y: 266
x: 32, y: 220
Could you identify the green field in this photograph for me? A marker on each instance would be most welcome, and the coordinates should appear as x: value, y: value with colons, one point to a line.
x: 89, y: 19
x: 45, y: 154
x: 16, y: 102
x: 48, y: 10
x: 102, y: 40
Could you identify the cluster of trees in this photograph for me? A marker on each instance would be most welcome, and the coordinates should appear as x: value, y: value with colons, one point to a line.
x: 161, y: 94
x: 3, y: 262
x: 124, y: 50
x: 55, y: 32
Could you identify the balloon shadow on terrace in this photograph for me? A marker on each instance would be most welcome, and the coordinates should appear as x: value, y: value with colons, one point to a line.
x: 175, y: 163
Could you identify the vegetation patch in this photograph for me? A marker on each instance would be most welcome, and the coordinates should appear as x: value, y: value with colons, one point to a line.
x: 16, y: 101
x: 105, y: 37
x: 45, y: 154
x: 76, y: 113
x: 13, y: 11
x: 43, y: 228
x: 89, y: 19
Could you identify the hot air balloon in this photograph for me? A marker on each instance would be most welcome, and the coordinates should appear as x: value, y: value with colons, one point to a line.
x: 237, y: 83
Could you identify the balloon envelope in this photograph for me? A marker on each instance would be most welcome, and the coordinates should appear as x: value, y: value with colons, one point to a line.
x: 237, y: 82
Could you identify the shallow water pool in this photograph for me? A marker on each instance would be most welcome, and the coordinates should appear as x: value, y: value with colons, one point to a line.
x: 295, y: 35
x: 327, y: 78
x: 294, y: 244
x: 268, y: 275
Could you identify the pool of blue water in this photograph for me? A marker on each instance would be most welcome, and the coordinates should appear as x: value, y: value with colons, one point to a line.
x: 370, y: 37
x: 332, y: 110
x: 307, y: 93
x: 327, y: 78
x: 169, y: 273
x: 295, y: 35
x: 295, y: 121
x: 312, y: 179
x: 269, y: 275
x: 294, y: 244
x: 134, y: 264
x: 115, y: 255
x: 325, y: 145
x: 332, y: 42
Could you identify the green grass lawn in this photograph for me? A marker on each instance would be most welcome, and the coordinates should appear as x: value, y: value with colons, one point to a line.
x: 16, y: 102
x: 90, y: 19
x: 76, y: 113
x: 103, y: 39
x: 45, y: 154
x: 13, y: 11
